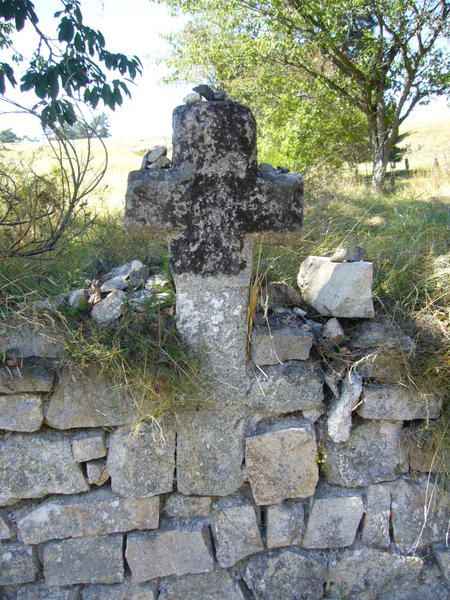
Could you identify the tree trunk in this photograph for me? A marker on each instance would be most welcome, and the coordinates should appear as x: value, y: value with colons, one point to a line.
x: 379, y: 138
x: 379, y: 164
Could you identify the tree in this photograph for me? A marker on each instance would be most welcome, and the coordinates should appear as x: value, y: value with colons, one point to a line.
x: 81, y: 130
x: 383, y: 57
x: 300, y: 123
x: 73, y: 66
x: 7, y: 136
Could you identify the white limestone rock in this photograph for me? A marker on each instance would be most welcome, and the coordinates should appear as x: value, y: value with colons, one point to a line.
x: 375, y: 531
x: 141, y: 462
x: 86, y: 398
x: 371, y: 455
x: 333, y: 331
x: 275, y: 345
x: 109, y: 309
x: 208, y: 586
x: 235, y: 530
x: 97, y: 513
x: 337, y: 289
x: 33, y: 466
x: 187, y: 507
x: 287, y: 388
x: 135, y: 272
x: 285, y: 524
x: 88, y: 446
x: 397, y: 403
x: 289, y: 574
x: 21, y: 412
x: 366, y: 572
x: 333, y: 520
x: 119, y: 282
x: 339, y: 420
x: 282, y: 462
x: 175, y: 550
x: 18, y: 563
x: 96, y: 559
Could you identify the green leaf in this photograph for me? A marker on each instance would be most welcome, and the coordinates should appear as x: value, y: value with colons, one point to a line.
x: 66, y: 30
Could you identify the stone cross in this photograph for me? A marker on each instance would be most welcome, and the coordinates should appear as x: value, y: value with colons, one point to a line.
x: 214, y: 196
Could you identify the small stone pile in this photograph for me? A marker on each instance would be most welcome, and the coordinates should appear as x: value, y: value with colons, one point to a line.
x: 156, y: 158
x: 105, y: 299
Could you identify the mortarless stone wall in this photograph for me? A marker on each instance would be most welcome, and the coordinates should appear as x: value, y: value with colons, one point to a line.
x: 329, y: 501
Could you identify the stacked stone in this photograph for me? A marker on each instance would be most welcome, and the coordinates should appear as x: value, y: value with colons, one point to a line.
x: 90, y: 506
x: 279, y: 487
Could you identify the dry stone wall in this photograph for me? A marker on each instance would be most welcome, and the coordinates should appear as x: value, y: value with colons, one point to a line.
x: 328, y: 502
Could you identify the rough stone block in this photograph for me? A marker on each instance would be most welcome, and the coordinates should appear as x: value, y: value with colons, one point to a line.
x: 141, y: 462
x: 39, y: 591
x: 375, y: 530
x: 397, y: 403
x: 209, y: 586
x: 333, y: 521
x: 380, y: 333
x: 187, y: 507
x: 21, y: 412
x: 5, y: 531
x: 235, y: 530
x: 282, y: 462
x: 95, y: 559
x: 274, y: 345
x: 371, y: 455
x: 178, y: 550
x: 337, y: 289
x: 419, y: 514
x: 31, y: 377
x: 96, y: 513
x: 17, y: 564
x: 285, y: 524
x: 210, y: 449
x: 88, y: 446
x: 121, y: 591
x: 339, y: 421
x: 366, y: 573
x: 289, y: 574
x: 88, y: 399
x: 97, y: 472
x: 33, y: 466
x: 25, y: 339
x: 442, y: 555
x: 287, y: 388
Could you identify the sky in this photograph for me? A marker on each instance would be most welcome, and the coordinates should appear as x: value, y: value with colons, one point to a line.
x: 131, y: 27
x: 137, y: 27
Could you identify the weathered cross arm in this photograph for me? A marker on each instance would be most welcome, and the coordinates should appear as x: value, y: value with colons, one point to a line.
x: 278, y: 201
x: 159, y: 198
